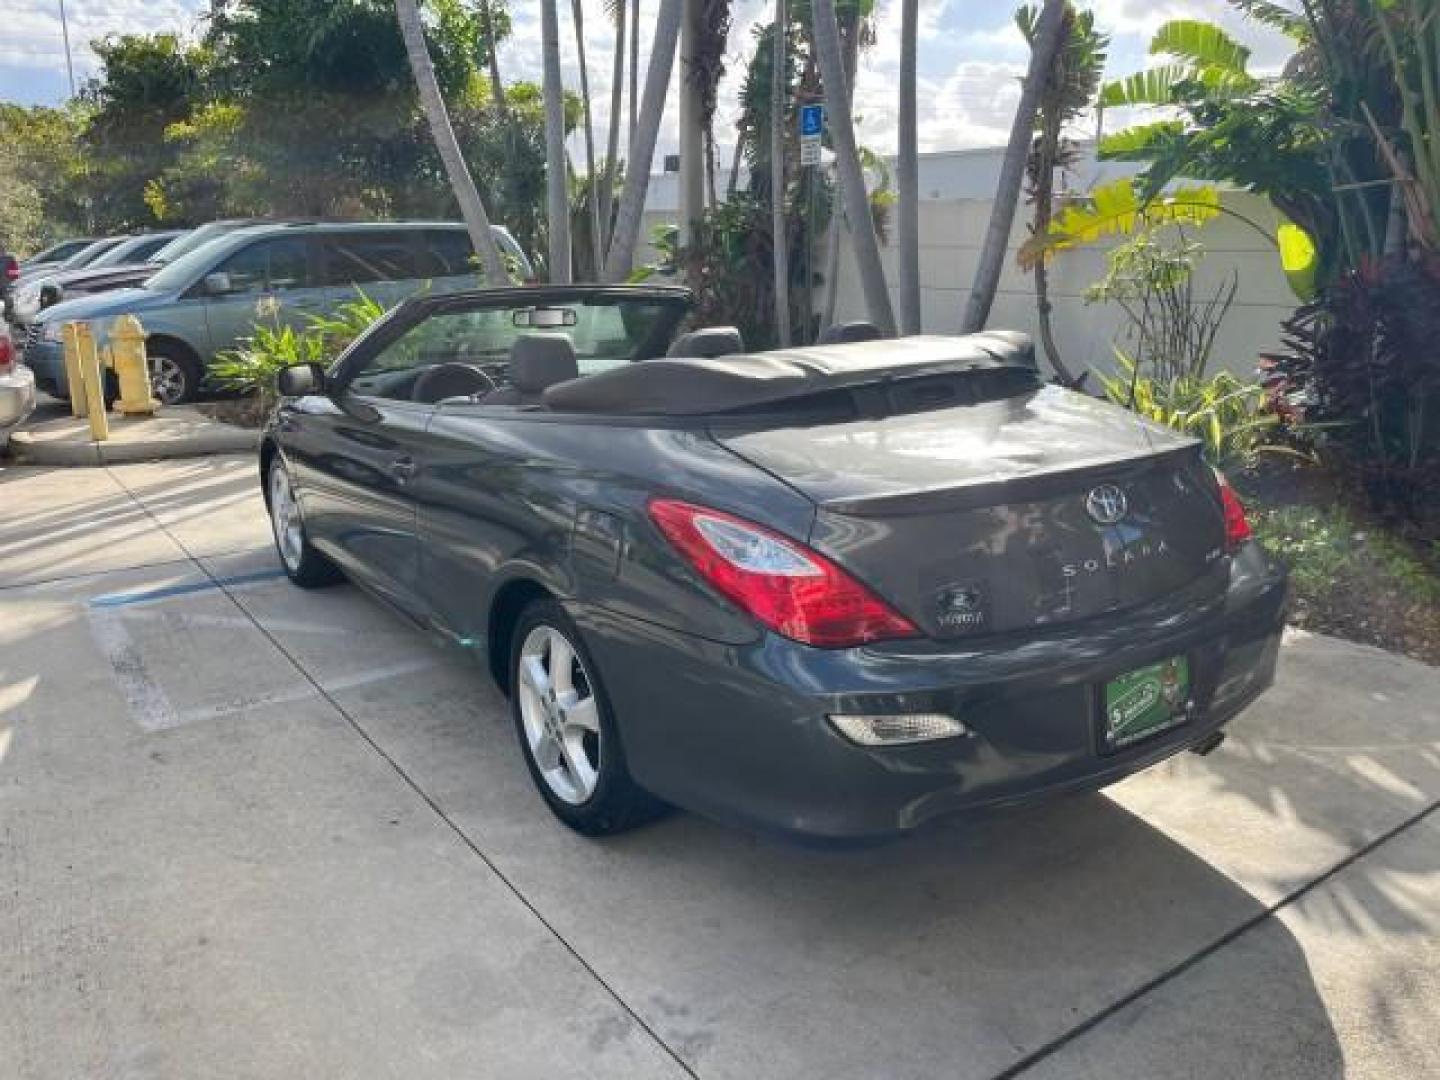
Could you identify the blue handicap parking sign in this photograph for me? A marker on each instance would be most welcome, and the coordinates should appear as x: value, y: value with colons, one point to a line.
x: 812, y: 119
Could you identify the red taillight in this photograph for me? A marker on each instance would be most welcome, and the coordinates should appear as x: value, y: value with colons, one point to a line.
x: 7, y: 354
x: 12, y: 271
x: 791, y: 589
x: 1237, y: 528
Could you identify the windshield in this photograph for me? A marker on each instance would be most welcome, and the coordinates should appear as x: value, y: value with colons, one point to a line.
x: 90, y: 252
x: 606, y: 331
x: 135, y: 250
x: 180, y: 273
x: 187, y: 242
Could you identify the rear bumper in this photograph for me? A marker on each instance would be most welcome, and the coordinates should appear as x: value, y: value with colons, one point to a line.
x: 741, y: 733
x: 17, y: 398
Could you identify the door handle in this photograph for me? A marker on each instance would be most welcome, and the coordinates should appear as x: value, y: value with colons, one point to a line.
x: 403, y: 469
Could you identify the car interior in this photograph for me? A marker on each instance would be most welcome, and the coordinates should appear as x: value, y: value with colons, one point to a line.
x: 624, y: 357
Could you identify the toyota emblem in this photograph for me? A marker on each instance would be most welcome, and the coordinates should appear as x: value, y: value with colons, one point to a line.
x: 1106, y: 504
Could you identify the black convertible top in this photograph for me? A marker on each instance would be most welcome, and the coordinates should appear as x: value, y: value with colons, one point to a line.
x: 695, y: 387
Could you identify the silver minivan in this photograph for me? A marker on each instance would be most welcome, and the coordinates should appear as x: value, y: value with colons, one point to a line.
x: 207, y: 301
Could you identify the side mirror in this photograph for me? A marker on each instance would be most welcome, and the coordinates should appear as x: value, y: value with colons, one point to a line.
x: 217, y: 284
x: 300, y: 380
x: 50, y: 295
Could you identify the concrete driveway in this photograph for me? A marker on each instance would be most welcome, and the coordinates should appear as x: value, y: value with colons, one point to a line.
x: 247, y: 831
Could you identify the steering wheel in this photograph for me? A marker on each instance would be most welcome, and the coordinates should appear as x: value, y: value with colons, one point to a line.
x: 451, y: 379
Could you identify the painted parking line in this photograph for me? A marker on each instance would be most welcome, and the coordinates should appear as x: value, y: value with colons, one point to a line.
x: 146, y: 700
x: 115, y: 600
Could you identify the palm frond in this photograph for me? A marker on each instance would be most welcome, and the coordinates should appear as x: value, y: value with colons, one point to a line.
x: 1203, y: 44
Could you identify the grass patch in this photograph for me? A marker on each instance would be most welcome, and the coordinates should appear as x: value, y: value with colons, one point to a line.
x: 1350, y: 575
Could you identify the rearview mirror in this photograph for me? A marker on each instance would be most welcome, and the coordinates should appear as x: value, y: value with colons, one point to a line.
x: 299, y: 380
x: 217, y: 284
x: 544, y: 318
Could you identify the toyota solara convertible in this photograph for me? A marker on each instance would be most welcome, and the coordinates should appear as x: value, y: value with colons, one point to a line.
x: 832, y: 591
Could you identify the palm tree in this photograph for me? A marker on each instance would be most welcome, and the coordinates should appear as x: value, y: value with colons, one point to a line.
x: 616, y: 10
x: 557, y: 197
x: 853, y: 16
x: 1069, y: 89
x: 907, y: 171
x: 780, y: 232
x: 1049, y: 30
x: 847, y: 163
x: 592, y: 189
x: 472, y: 207
x: 621, y: 256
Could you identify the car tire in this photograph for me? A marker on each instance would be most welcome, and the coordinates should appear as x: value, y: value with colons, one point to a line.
x: 174, y: 375
x: 303, y: 565
x: 567, y: 730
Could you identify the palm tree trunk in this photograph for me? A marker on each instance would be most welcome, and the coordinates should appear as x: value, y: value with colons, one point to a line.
x: 621, y: 257
x: 472, y: 207
x: 691, y: 179
x: 907, y: 172
x: 847, y: 162
x: 1048, y: 150
x: 557, y: 193
x: 780, y: 234
x: 592, y: 181
x: 612, y: 143
x: 837, y: 224
x: 735, y: 166
x: 497, y: 88
x: 634, y: 73
x: 1048, y: 38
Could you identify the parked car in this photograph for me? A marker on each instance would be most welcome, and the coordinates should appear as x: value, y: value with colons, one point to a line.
x: 70, y: 284
x: 33, y: 271
x: 836, y: 591
x: 129, y: 255
x: 17, y: 388
x: 210, y: 299
x: 57, y: 253
x: 9, y: 275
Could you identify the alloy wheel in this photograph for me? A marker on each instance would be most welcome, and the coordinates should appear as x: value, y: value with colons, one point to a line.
x: 167, y: 380
x: 560, y: 714
x: 285, y: 518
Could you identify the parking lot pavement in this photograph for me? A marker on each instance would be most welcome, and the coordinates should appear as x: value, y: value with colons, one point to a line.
x: 250, y: 831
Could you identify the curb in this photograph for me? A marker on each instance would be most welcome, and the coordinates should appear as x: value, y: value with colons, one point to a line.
x: 26, y: 450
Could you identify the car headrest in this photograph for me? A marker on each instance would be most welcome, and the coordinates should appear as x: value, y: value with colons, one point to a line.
x: 708, y: 341
x: 538, y: 361
x: 844, y: 333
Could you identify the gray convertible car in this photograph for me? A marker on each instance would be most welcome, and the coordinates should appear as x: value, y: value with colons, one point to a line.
x: 833, y: 591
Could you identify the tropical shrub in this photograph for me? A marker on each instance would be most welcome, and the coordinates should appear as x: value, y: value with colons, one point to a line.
x: 250, y: 369
x: 1227, y: 415
x: 1363, y: 359
x: 1171, y: 328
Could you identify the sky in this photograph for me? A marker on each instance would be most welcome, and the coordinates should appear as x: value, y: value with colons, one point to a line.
x: 970, y: 56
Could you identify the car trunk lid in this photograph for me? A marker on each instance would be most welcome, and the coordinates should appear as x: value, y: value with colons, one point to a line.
x: 1041, y: 508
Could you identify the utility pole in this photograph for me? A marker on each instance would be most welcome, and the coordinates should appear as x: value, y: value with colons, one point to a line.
x: 65, y: 32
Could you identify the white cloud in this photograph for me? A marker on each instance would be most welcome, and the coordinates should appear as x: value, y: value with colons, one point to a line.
x: 33, y: 38
x: 970, y: 57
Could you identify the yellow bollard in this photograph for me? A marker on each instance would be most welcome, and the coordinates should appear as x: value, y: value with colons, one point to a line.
x: 127, y: 357
x: 93, y: 380
x: 72, y: 369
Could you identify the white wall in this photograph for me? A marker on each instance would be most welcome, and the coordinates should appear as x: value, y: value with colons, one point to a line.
x: 950, y: 235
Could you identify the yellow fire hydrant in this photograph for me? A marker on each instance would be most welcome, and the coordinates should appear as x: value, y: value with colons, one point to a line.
x: 127, y: 356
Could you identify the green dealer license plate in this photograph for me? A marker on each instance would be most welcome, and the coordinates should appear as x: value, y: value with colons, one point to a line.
x: 1146, y: 701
